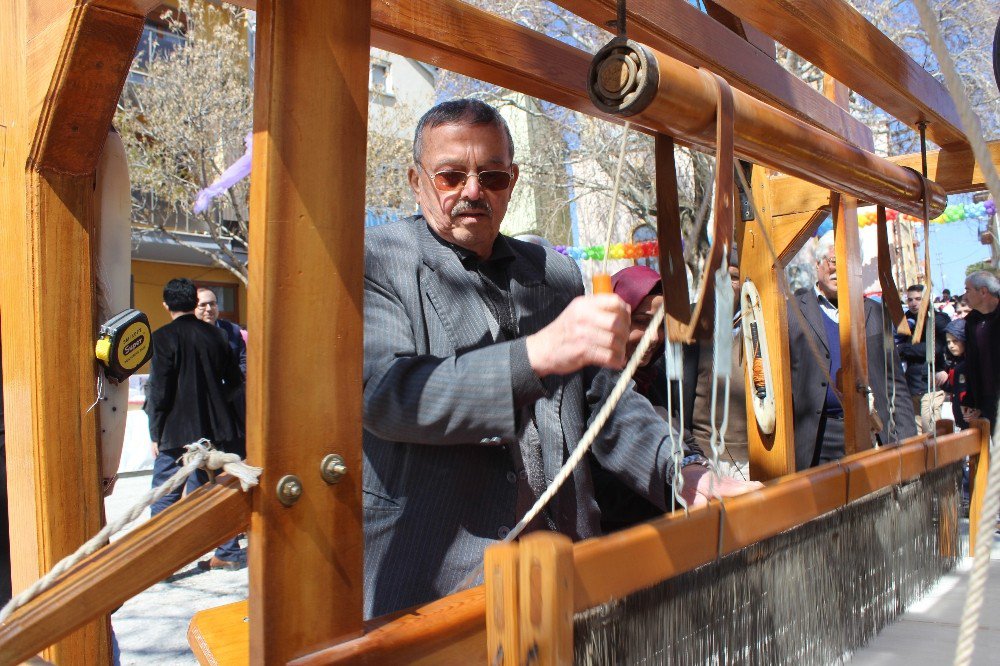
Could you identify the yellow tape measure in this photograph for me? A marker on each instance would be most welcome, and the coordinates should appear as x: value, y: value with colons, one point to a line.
x: 125, y: 343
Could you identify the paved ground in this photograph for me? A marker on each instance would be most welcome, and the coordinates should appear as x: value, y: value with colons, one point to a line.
x: 152, y: 627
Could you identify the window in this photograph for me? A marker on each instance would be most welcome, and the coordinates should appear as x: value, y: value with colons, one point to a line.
x: 378, y: 77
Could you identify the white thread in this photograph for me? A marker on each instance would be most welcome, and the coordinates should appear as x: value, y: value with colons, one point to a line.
x: 614, y: 198
x: 199, y: 455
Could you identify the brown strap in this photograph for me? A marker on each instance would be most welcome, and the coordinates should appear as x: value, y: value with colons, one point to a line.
x: 890, y: 293
x: 673, y: 273
x: 722, y: 224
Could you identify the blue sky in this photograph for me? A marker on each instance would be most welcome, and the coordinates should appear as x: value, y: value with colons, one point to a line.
x: 953, y: 247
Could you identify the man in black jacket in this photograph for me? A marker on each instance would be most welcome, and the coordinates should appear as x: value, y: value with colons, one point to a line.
x: 926, y: 405
x: 192, y: 381
x: 982, y: 346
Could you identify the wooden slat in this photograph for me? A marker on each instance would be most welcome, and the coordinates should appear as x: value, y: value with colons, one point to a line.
x: 143, y: 557
x: 839, y: 40
x: 546, y: 599
x: 221, y: 635
x: 953, y: 169
x: 763, y: 43
x: 501, y: 565
x: 979, y: 469
x: 852, y: 378
x: 305, y: 313
x: 75, y: 104
x: 678, y: 29
x: 451, y: 630
x: 771, y: 455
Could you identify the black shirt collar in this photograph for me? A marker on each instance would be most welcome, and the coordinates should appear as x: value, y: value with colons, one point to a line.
x: 502, y: 251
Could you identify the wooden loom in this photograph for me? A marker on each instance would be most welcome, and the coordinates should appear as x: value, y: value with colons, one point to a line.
x: 67, y: 61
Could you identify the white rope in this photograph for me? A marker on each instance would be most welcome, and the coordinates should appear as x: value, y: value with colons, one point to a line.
x: 674, y: 367
x: 595, y: 427
x: 199, y: 455
x: 614, y: 198
x: 722, y: 363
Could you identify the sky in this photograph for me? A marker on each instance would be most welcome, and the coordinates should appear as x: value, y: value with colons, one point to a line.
x: 953, y: 247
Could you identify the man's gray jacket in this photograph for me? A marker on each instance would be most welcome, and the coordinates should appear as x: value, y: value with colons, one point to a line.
x: 441, y: 405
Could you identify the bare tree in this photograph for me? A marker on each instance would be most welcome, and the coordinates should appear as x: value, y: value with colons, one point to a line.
x: 184, y: 116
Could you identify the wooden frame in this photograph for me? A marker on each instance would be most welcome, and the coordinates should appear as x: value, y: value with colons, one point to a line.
x: 68, y: 61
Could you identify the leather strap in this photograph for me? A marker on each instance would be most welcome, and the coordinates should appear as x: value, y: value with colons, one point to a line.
x: 889, y: 289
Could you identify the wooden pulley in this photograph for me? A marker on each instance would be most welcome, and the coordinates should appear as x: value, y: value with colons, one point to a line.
x: 758, y: 361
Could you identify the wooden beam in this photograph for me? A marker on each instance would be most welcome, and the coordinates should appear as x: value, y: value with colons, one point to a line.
x: 545, y: 609
x: 954, y: 169
x: 839, y: 40
x: 141, y: 558
x: 762, y: 42
x: 771, y: 455
x: 306, y: 272
x: 678, y: 29
x: 75, y: 101
x: 458, y: 37
x: 852, y: 378
x: 47, y: 298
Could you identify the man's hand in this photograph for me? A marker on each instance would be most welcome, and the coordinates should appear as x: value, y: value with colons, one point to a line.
x: 700, y: 486
x: 155, y: 448
x: 592, y: 330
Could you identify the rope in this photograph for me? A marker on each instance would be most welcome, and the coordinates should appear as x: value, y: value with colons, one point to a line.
x: 200, y: 455
x: 614, y: 199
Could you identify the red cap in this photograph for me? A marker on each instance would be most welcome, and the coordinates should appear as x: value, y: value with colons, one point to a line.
x: 635, y: 283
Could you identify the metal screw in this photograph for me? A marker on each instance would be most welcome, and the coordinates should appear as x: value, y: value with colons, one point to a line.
x: 332, y: 469
x: 289, y: 489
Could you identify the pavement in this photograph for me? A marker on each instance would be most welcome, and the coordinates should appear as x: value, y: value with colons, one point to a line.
x: 151, y: 628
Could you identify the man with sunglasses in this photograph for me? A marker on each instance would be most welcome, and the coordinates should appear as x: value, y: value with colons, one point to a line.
x: 483, y: 367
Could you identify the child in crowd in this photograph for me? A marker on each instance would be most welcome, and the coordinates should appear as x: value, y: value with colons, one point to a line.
x: 954, y: 374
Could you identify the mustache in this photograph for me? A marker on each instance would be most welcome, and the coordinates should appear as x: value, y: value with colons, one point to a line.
x: 468, y: 205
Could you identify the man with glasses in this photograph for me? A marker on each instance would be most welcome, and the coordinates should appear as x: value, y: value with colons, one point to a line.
x: 926, y: 404
x: 482, y: 371
x: 814, y: 346
x: 208, y: 312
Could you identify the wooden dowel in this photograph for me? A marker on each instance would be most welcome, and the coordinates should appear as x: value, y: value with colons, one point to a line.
x: 672, y: 97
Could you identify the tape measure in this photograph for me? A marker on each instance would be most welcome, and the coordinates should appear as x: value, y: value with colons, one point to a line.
x: 125, y: 343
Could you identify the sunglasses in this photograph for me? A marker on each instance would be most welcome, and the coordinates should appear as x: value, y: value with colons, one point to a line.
x: 453, y: 181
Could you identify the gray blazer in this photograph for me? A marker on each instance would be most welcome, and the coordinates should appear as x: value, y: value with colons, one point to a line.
x: 440, y: 411
x: 809, y: 382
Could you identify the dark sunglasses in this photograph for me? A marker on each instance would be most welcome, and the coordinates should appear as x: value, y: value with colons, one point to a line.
x: 452, y: 181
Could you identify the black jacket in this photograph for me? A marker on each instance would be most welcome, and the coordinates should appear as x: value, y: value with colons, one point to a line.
x: 914, y: 354
x: 809, y: 381
x: 978, y: 364
x: 192, y: 381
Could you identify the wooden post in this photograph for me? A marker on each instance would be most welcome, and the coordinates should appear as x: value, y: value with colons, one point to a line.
x: 546, y: 607
x: 771, y: 455
x: 64, y: 64
x: 502, y: 572
x: 852, y: 379
x: 979, y: 469
x: 306, y: 324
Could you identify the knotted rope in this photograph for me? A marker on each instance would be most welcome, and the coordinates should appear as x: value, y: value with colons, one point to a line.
x: 199, y: 455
